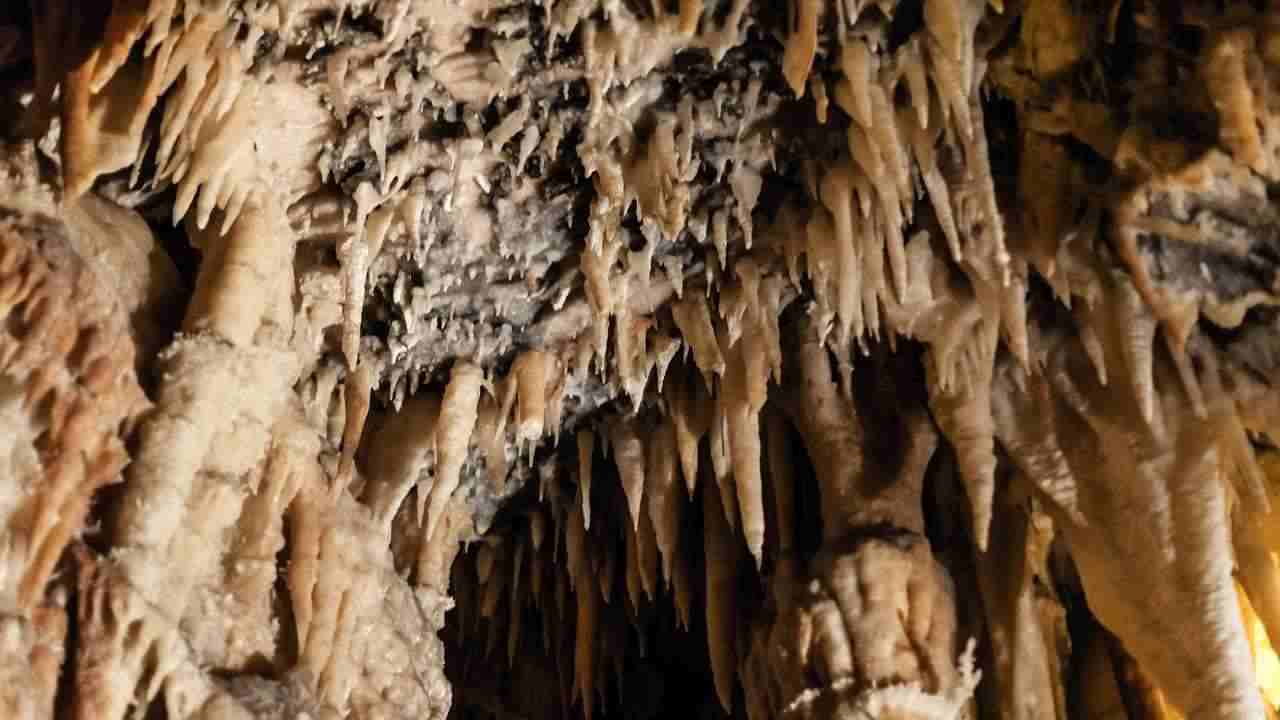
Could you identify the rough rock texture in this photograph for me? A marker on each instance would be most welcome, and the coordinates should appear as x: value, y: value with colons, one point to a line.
x: 498, y: 358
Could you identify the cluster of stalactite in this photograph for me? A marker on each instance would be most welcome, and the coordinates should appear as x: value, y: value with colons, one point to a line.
x: 917, y: 356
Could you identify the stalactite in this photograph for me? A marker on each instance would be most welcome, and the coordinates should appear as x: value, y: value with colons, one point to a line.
x: 964, y: 415
x: 628, y: 453
x: 453, y: 436
x: 694, y: 320
x: 721, y: 606
x: 742, y: 422
x: 665, y: 504
x: 586, y: 448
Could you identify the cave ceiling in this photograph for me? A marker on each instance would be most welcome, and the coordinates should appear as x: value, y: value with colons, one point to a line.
x: 857, y: 359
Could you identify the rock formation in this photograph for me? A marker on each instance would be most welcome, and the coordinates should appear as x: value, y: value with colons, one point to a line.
x: 530, y: 359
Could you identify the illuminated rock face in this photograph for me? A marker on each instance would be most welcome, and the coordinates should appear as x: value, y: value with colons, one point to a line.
x: 400, y: 358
